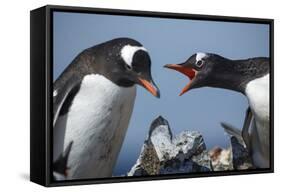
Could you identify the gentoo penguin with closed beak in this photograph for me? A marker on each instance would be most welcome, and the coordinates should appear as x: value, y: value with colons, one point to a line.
x: 249, y: 77
x: 93, y: 100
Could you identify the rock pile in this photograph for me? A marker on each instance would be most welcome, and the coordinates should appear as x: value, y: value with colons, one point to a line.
x: 163, y: 153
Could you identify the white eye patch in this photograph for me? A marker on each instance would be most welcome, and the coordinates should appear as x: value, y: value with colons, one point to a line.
x: 128, y: 51
x: 200, y: 59
x: 200, y: 56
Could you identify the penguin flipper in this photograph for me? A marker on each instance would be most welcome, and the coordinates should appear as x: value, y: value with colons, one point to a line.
x: 232, y: 131
x: 60, y: 165
x: 62, y: 93
x: 246, y: 127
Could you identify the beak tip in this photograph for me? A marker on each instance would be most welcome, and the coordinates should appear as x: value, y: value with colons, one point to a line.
x: 158, y: 95
x: 167, y: 66
x: 150, y: 86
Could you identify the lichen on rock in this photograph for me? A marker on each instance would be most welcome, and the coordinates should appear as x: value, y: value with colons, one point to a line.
x: 164, y: 154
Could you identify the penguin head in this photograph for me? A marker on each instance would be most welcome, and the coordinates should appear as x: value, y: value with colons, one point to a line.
x: 128, y: 63
x: 199, y: 68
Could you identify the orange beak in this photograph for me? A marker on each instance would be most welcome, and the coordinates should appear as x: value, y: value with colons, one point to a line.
x: 150, y: 86
x: 189, y: 72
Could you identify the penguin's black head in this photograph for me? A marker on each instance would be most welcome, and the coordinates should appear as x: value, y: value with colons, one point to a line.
x: 126, y: 62
x: 212, y: 70
x: 199, y: 68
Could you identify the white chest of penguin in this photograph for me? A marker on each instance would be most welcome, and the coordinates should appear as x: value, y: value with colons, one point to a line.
x: 257, y: 92
x: 98, y: 117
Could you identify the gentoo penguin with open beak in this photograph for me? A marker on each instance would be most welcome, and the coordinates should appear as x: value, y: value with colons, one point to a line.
x: 93, y: 100
x: 249, y: 77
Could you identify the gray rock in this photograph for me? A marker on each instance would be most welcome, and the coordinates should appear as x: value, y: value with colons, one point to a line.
x: 241, y: 158
x: 221, y: 159
x: 164, y: 154
x: 236, y: 157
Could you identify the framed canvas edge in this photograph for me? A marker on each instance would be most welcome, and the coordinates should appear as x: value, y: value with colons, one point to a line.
x: 49, y: 81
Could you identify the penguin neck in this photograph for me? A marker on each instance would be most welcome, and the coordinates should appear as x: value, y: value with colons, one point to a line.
x: 236, y: 74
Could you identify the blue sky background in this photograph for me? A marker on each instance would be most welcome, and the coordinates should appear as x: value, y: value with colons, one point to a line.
x: 168, y: 41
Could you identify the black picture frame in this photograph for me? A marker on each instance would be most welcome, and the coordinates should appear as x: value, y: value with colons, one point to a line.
x: 41, y: 70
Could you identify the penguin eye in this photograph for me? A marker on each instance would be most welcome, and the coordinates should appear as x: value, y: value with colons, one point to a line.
x: 199, y: 63
x: 128, y: 67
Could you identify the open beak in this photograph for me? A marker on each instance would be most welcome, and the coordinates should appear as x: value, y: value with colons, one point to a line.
x: 189, y: 72
x: 150, y: 86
